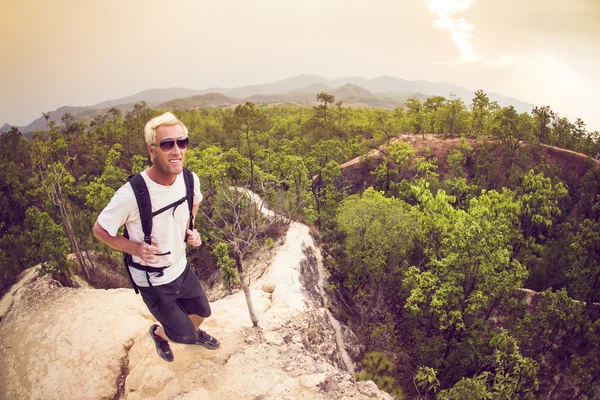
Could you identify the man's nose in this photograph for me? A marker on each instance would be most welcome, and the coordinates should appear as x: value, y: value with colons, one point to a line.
x: 176, y: 149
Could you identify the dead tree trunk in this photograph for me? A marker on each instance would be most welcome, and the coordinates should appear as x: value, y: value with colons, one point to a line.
x: 53, y: 188
x: 245, y: 287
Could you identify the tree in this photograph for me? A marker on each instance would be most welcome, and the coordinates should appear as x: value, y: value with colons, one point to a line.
x: 14, y: 183
x: 295, y: 176
x: 211, y: 166
x: 552, y: 329
x: 454, y: 115
x: 414, y: 114
x: 457, y: 159
x: 324, y: 166
x: 480, y: 105
x: 134, y: 124
x: 328, y: 190
x: 539, y: 200
x: 543, y: 117
x: 115, y: 116
x: 340, y: 111
x: 584, y: 265
x: 585, y: 367
x: 508, y: 376
x: 139, y: 110
x: 562, y: 133
x: 237, y: 217
x: 15, y: 159
x: 582, y: 138
x: 378, y: 235
x: 388, y: 127
x: 98, y: 127
x: 324, y: 99
x: 512, y: 130
x: 229, y: 276
x: 102, y: 189
x: 46, y: 244
x: 379, y: 369
x: 249, y: 119
x: 67, y: 119
x: 432, y: 107
x: 13, y: 146
x: 55, y: 179
x: 13, y: 247
x: 396, y: 158
x: 468, y: 271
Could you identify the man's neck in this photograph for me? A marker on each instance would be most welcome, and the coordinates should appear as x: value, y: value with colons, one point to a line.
x: 160, y: 177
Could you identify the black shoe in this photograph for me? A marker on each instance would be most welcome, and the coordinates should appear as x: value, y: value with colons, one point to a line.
x: 206, y: 340
x: 162, y: 346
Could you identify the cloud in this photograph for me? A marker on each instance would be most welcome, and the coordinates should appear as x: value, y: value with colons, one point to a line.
x: 460, y: 29
x: 462, y: 34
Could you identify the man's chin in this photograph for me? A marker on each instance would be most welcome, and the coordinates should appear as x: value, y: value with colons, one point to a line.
x: 175, y: 169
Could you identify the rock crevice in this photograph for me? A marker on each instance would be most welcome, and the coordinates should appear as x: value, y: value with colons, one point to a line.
x: 124, y: 371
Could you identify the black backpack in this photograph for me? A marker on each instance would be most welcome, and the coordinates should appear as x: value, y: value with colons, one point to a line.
x: 146, y: 215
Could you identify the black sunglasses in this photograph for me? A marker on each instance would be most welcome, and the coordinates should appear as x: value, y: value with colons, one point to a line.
x: 168, y: 143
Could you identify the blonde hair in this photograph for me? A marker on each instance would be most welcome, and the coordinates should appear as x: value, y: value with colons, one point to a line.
x: 167, y: 119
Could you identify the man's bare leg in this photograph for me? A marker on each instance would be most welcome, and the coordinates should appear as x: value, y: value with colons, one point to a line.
x: 196, y: 320
x: 162, y: 345
x: 203, y: 338
x: 160, y: 332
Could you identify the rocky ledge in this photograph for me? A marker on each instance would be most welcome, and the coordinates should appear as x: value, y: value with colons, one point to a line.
x: 65, y: 343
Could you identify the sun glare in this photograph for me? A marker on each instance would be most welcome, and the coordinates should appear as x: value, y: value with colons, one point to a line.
x: 460, y: 30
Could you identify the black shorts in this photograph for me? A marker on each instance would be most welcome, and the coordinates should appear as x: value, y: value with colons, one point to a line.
x: 173, y: 302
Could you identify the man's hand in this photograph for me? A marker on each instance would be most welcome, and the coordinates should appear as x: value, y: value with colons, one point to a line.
x: 193, y: 238
x: 146, y: 252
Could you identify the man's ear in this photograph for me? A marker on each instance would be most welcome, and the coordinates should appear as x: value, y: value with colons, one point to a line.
x: 151, y: 151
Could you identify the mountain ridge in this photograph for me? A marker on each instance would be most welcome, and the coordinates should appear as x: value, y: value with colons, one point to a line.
x: 5, y: 128
x: 297, y: 89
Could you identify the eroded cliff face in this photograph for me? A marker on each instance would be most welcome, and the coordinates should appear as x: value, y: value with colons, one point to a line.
x: 65, y: 343
x: 572, y: 166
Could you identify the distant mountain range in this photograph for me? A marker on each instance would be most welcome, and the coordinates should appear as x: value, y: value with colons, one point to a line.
x: 382, y: 92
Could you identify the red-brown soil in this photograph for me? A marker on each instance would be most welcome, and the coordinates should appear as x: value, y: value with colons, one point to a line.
x: 357, y: 171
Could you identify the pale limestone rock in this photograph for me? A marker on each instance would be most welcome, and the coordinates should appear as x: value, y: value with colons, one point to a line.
x: 268, y: 287
x: 51, y: 353
x: 312, y: 381
x: 63, y: 343
x: 368, y: 388
x: 274, y: 338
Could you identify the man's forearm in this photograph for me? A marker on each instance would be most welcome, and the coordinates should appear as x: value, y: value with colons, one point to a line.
x: 117, y: 242
x: 144, y: 251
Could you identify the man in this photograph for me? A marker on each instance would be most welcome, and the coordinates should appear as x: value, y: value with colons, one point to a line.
x: 159, y: 268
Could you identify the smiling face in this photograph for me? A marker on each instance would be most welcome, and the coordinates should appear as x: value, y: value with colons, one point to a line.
x: 166, y: 165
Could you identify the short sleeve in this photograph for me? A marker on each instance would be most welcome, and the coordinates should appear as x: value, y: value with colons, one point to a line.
x: 118, y: 211
x: 197, y: 193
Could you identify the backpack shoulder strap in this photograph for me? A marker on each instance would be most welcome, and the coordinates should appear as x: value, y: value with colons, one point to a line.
x: 142, y: 196
x: 189, y: 192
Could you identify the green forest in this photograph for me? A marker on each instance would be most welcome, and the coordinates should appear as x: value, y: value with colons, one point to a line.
x: 472, y: 277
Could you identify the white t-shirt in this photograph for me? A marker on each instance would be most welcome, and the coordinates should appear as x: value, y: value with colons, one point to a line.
x: 168, y: 228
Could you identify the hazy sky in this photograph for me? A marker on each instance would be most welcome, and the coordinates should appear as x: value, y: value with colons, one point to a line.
x: 82, y: 52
